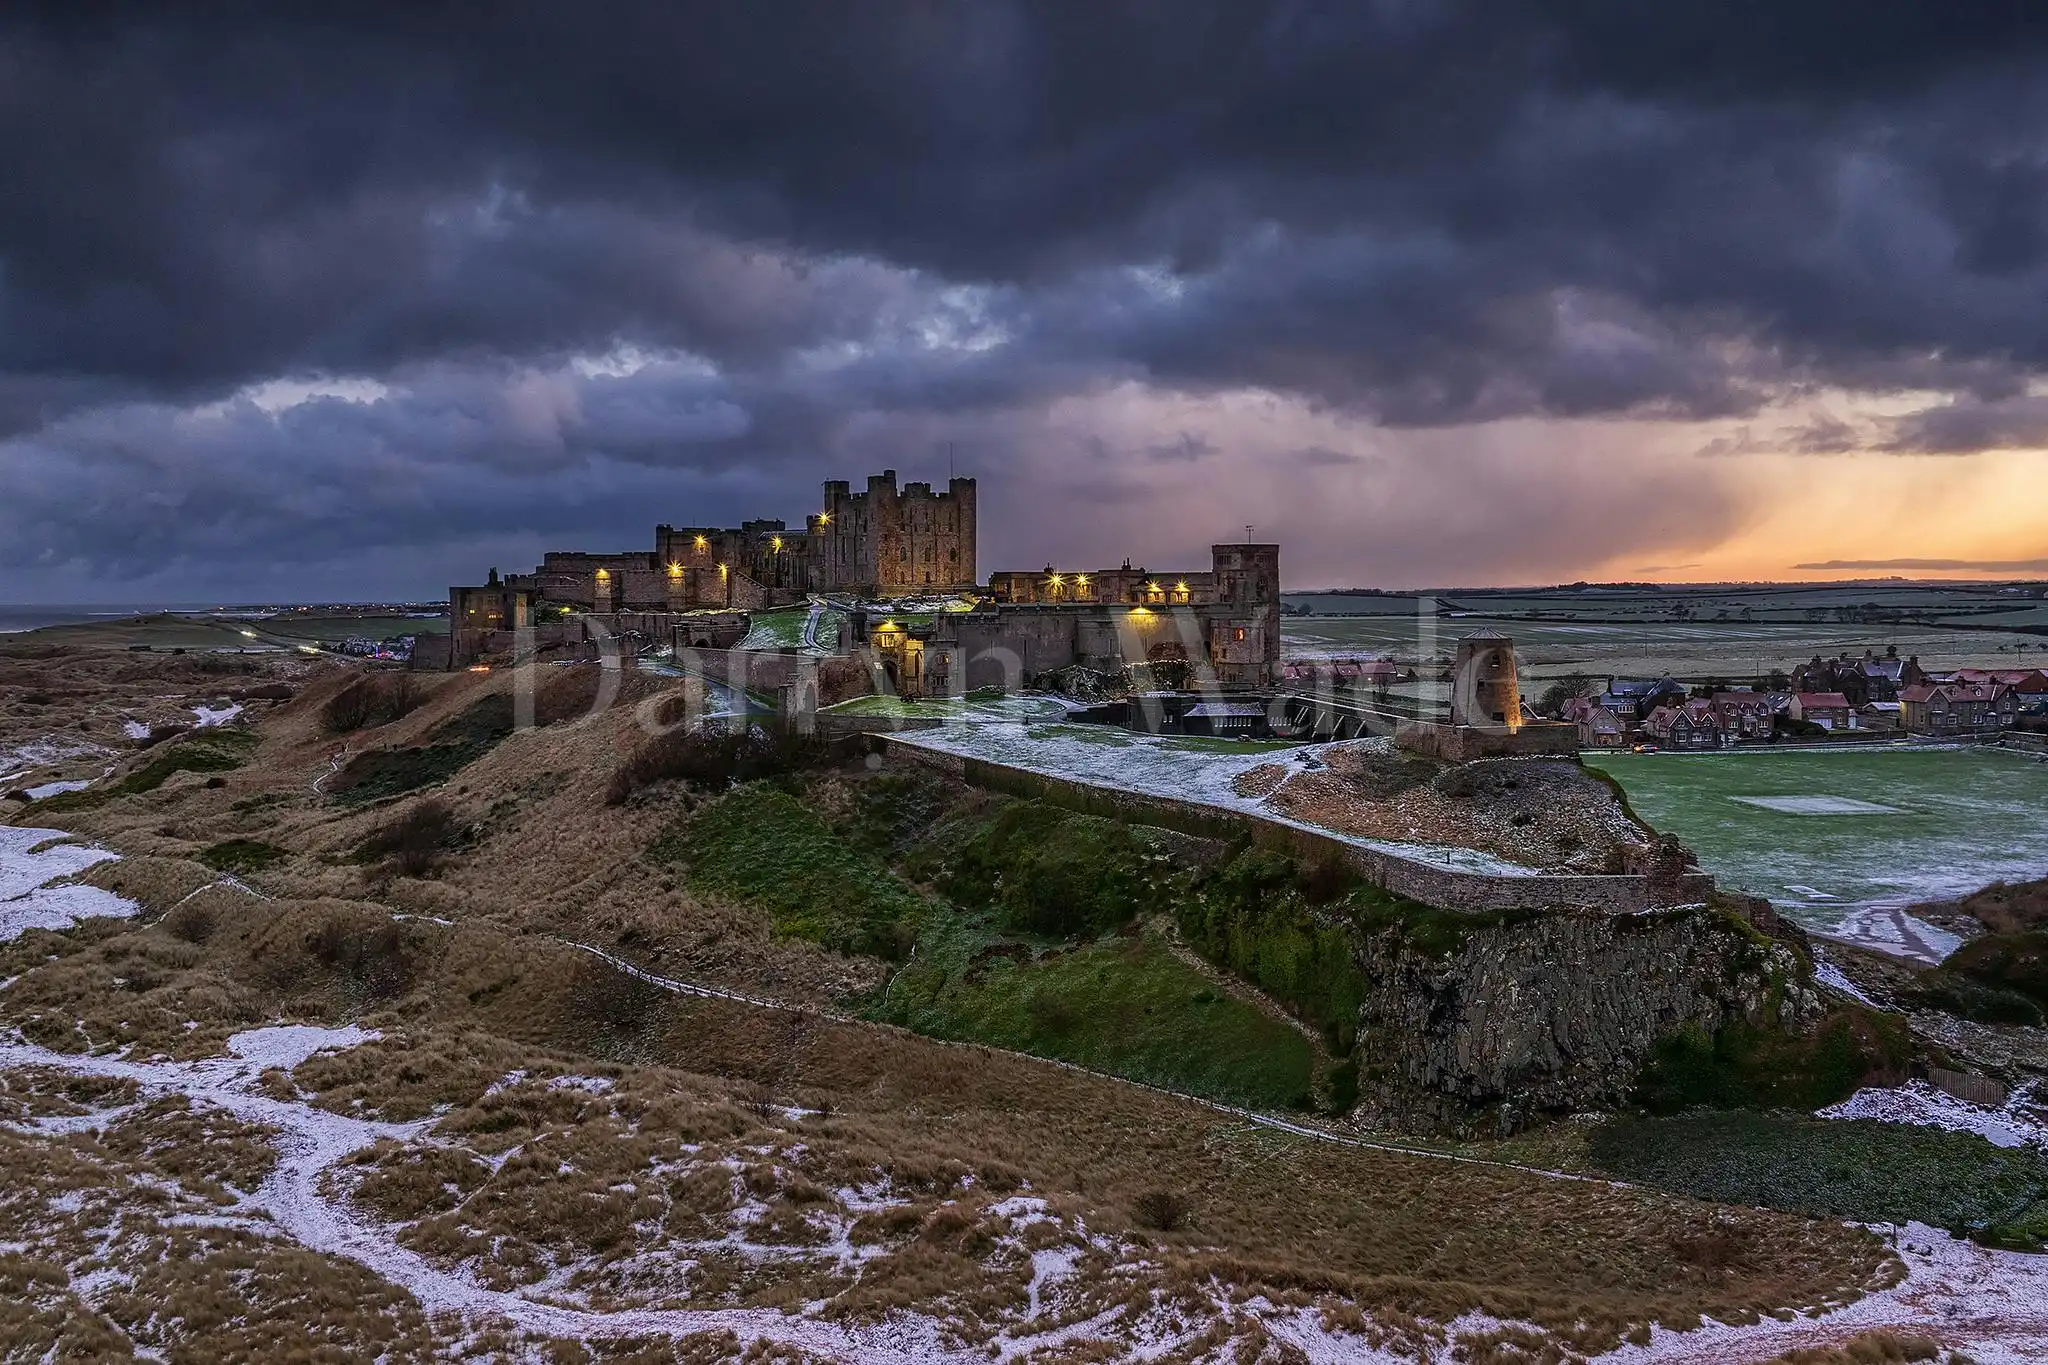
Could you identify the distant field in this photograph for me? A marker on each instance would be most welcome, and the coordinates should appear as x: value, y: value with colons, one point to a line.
x: 1687, y: 649
x: 211, y: 632
x: 1822, y: 833
x: 1690, y: 632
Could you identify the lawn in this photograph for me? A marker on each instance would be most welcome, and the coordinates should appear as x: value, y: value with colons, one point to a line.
x: 1927, y: 823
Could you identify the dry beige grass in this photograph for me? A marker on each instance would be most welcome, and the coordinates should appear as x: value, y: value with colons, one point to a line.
x: 608, y: 1192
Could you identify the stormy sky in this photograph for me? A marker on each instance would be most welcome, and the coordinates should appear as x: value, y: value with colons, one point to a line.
x: 354, y: 301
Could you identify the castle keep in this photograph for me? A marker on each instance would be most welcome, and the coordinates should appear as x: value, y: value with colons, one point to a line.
x: 880, y: 542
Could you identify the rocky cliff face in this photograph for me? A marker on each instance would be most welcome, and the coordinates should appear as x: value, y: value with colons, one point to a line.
x: 1484, y: 1025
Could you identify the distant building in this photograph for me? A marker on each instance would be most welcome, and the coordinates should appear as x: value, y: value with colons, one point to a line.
x: 1600, y: 728
x: 1686, y: 725
x: 1743, y: 716
x: 1632, y: 699
x: 1829, y: 710
x: 1959, y: 708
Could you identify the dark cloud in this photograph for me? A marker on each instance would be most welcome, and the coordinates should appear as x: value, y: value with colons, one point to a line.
x: 692, y: 251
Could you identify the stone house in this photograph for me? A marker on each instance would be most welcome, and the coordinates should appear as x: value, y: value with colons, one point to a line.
x: 1687, y: 725
x: 1600, y: 728
x: 1959, y: 708
x: 1743, y: 716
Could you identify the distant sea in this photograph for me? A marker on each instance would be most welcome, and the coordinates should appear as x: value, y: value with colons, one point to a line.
x: 14, y: 619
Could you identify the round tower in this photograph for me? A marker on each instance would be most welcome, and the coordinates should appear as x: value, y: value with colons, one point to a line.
x: 1485, y: 693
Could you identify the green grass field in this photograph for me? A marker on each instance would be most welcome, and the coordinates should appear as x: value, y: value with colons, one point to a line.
x: 1941, y: 822
x: 1125, y: 1005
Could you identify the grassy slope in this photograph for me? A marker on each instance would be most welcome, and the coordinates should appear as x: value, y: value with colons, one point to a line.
x: 1127, y: 1006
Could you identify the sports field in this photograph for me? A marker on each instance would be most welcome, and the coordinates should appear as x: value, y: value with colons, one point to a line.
x: 1826, y: 834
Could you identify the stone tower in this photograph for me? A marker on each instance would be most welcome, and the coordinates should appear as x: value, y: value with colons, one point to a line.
x: 1485, y: 693
x: 1244, y: 617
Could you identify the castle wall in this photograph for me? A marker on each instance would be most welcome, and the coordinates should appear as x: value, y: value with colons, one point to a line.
x: 1442, y: 887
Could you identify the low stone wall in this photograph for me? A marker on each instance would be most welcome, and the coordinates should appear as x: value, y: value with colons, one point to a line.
x: 1442, y: 887
x: 1463, y: 743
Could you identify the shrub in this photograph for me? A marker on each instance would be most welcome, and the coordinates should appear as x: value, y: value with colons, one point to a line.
x: 1745, y: 1067
x: 366, y: 948
x: 1160, y: 1210
x: 415, y: 840
x: 192, y: 922
x: 451, y: 746
x: 352, y: 708
x: 242, y: 855
x: 375, y: 700
x: 1254, y: 917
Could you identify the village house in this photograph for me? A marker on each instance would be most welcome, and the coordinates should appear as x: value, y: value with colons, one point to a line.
x: 1743, y: 716
x: 1829, y: 710
x: 1958, y: 708
x: 1686, y: 725
x: 1599, y: 728
x: 1633, y: 699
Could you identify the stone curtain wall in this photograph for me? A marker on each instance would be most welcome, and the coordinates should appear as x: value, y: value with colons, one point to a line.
x: 1440, y: 887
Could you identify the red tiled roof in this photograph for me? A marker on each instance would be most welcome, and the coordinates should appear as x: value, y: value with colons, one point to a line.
x: 1822, y: 699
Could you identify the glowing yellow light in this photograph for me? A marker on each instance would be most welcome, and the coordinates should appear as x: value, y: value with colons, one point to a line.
x: 723, y: 571
x: 1180, y: 587
x: 1057, y: 580
x: 1082, y: 579
x: 824, y: 518
x: 604, y: 573
x: 702, y: 542
x: 675, y: 571
x: 479, y: 668
x: 775, y: 542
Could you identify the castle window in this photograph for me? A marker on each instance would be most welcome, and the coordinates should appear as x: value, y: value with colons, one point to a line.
x: 1238, y: 634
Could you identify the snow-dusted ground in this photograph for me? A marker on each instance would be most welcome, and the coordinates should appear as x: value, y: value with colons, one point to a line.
x: 30, y: 859
x: 23, y: 759
x: 44, y: 791
x: 1917, y: 1102
x: 1993, y: 1305
x: 209, y: 716
x: 1831, y: 976
x: 134, y: 729
x: 1167, y: 766
x: 1889, y: 929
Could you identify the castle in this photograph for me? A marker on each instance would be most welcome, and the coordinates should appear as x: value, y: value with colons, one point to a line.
x: 880, y: 542
x: 698, y: 587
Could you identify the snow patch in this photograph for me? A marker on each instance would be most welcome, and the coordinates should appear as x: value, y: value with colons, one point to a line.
x: 134, y: 729
x: 286, y: 1045
x: 1829, y: 975
x: 1917, y: 1102
x: 31, y: 859
x: 210, y: 717
x: 49, y: 789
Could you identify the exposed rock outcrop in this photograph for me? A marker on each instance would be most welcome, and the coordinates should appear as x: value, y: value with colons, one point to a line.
x: 1483, y: 1024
